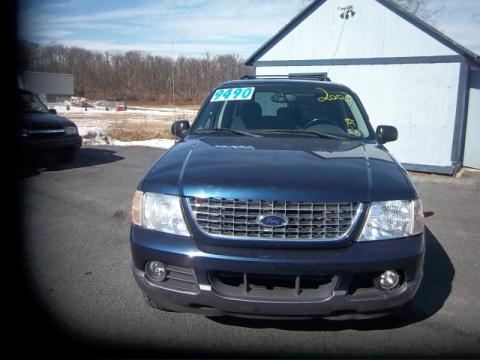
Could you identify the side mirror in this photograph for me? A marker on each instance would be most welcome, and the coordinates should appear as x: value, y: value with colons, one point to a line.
x: 386, y: 134
x: 179, y: 127
x: 52, y: 111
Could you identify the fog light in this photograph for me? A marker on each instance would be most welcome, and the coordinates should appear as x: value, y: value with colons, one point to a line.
x: 155, y: 271
x: 388, y: 280
x: 23, y: 133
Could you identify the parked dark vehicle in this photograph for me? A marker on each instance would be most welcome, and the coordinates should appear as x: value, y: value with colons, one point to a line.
x: 279, y: 201
x: 42, y: 130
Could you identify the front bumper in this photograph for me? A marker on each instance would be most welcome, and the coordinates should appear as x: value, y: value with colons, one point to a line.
x: 344, y: 264
x: 50, y: 143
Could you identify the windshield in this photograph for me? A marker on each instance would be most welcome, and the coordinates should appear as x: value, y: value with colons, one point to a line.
x: 291, y: 109
x: 31, y: 103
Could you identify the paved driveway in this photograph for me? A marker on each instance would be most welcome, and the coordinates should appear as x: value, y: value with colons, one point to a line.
x: 76, y: 251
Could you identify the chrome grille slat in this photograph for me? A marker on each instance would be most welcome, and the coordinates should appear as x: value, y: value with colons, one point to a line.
x: 306, y: 220
x: 294, y: 220
x: 46, y: 131
x: 249, y: 208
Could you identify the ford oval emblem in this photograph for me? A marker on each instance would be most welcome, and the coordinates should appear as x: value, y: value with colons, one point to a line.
x: 272, y: 220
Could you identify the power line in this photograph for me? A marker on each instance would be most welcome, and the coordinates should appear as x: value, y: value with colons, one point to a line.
x: 346, y: 13
x: 338, y: 44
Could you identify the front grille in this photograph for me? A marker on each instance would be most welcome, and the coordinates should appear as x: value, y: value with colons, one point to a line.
x: 306, y: 220
x: 44, y: 133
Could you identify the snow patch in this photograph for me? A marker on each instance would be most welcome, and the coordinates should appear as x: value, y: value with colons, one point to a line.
x: 157, y: 143
x: 78, y: 110
x: 98, y: 136
x: 94, y: 135
x: 92, y: 122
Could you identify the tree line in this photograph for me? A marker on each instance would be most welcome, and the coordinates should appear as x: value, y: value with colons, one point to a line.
x: 134, y: 75
x: 138, y: 76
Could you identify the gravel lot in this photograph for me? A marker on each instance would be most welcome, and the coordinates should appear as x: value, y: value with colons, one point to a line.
x: 84, y: 300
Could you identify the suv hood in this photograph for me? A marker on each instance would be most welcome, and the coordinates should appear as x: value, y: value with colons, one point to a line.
x: 32, y: 120
x: 279, y: 168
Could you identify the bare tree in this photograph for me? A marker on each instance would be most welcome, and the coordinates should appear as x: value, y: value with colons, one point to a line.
x: 427, y: 11
x: 134, y: 75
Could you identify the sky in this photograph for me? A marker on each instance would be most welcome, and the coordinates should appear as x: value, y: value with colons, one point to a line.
x: 194, y: 27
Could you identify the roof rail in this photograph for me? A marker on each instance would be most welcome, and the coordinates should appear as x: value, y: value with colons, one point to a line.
x: 314, y: 76
x: 322, y: 76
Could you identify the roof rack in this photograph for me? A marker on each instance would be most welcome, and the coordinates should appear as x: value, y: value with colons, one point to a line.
x: 322, y: 76
x: 313, y: 76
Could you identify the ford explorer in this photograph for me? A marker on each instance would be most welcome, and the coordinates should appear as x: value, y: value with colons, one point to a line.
x: 279, y: 201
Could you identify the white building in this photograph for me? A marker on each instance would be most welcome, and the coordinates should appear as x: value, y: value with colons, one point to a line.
x: 50, y: 87
x: 406, y: 73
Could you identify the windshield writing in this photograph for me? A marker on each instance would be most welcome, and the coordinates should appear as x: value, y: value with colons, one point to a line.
x: 291, y: 108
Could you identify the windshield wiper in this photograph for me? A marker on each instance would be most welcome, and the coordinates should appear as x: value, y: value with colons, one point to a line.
x: 306, y: 132
x: 215, y: 130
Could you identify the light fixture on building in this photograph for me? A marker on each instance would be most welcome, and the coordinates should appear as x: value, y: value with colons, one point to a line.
x: 346, y: 12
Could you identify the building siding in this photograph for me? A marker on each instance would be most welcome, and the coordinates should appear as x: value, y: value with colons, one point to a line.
x: 412, y: 97
x: 45, y: 84
x: 472, y: 141
x: 374, y: 32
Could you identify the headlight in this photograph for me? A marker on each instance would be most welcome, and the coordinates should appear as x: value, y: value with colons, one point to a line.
x: 159, y: 212
x: 393, y: 219
x: 71, y: 130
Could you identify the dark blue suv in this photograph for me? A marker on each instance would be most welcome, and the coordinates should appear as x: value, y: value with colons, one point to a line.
x: 279, y: 201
